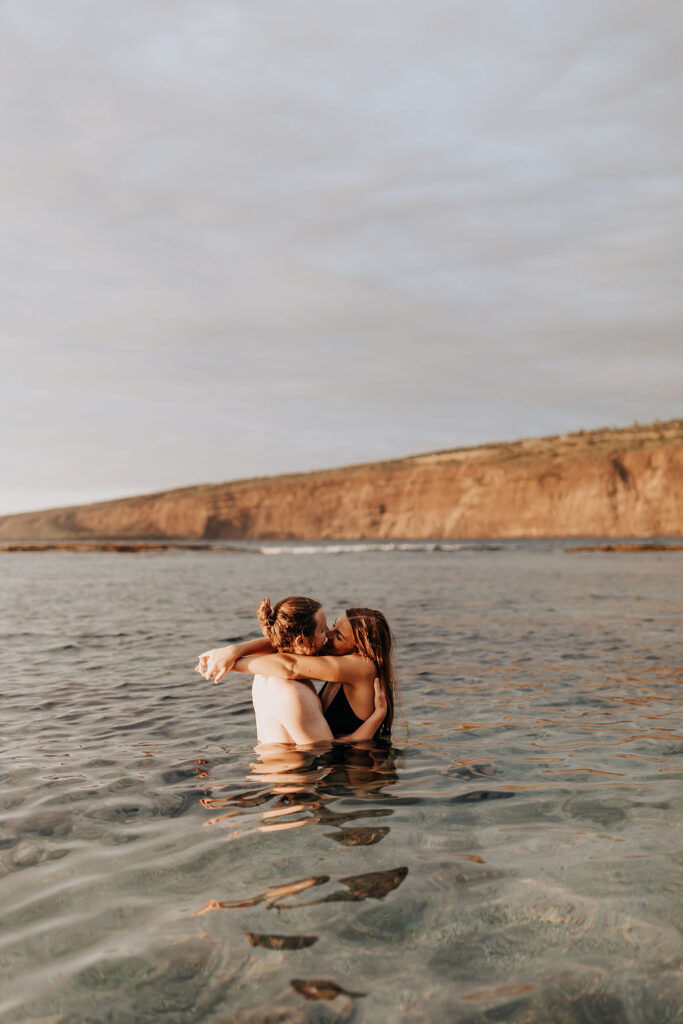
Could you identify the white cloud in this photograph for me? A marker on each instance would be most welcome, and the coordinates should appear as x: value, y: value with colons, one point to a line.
x: 278, y: 236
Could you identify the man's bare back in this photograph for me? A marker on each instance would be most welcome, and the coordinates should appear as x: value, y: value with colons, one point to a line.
x: 288, y: 711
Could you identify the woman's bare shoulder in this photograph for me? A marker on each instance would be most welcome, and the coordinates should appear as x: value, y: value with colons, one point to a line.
x: 354, y: 669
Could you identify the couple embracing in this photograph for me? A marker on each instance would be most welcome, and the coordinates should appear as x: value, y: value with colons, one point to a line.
x: 353, y: 658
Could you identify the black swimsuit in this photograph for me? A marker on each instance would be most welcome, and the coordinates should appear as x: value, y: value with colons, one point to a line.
x: 339, y: 714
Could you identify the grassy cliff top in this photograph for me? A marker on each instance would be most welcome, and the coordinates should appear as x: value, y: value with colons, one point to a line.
x: 583, y: 443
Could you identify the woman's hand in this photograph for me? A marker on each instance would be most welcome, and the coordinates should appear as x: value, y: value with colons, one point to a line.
x: 217, y: 662
x: 381, y: 704
x: 367, y: 730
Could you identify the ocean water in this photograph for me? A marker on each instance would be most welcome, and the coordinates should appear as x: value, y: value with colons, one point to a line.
x: 515, y: 855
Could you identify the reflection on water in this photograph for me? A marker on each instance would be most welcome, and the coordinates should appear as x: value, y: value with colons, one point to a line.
x: 515, y: 856
x: 281, y: 941
x: 321, y: 989
x: 300, y: 788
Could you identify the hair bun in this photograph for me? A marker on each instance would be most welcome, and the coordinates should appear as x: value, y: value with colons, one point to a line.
x: 266, y: 615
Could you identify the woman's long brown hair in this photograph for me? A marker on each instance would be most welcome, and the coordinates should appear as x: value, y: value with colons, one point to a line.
x: 374, y: 640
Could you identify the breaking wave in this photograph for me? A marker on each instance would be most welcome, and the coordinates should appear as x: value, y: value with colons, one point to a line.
x: 376, y: 546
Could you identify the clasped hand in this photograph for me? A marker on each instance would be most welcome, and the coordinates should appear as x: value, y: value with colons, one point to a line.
x: 216, y: 662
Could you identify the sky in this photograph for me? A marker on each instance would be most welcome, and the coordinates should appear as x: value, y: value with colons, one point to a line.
x: 246, y: 237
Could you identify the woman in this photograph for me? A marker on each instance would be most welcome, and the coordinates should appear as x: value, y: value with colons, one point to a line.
x: 353, y: 653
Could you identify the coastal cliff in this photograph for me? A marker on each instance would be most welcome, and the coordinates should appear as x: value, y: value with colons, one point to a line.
x: 602, y: 483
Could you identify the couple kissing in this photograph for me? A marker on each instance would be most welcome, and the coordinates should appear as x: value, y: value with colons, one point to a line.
x: 353, y: 658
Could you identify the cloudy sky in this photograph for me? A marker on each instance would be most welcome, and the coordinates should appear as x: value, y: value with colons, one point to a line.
x: 242, y: 237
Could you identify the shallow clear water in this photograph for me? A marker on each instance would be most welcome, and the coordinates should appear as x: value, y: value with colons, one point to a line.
x: 516, y: 856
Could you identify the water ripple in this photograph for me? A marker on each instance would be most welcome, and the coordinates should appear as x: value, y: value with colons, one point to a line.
x: 515, y: 855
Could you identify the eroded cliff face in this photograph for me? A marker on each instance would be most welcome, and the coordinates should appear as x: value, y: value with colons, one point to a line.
x: 617, y: 483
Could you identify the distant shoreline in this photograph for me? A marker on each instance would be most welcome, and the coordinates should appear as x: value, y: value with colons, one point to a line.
x: 128, y: 548
x: 624, y: 548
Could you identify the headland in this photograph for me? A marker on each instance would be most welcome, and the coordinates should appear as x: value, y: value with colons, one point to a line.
x: 601, y: 483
